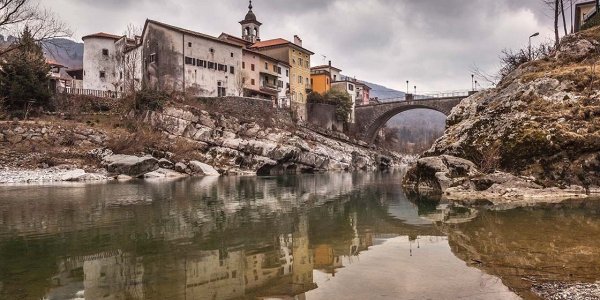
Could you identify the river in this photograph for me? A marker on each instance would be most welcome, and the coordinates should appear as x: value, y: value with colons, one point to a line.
x: 330, y: 236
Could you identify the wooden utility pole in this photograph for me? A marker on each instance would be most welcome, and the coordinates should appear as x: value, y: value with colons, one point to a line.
x: 564, y: 18
x: 556, y: 35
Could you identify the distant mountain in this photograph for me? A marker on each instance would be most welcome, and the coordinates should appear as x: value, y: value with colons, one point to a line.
x: 66, y: 52
x: 382, y: 92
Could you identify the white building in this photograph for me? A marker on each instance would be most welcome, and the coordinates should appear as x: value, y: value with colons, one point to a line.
x: 349, y: 87
x: 283, y: 99
x: 111, y: 62
x: 99, y: 62
x: 178, y: 59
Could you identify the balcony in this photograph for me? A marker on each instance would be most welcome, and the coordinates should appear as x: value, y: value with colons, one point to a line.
x: 268, y: 87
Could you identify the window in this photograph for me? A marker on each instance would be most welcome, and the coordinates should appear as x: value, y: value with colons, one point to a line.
x: 294, y: 61
x: 221, y: 67
x: 189, y: 44
x: 287, y: 73
x: 279, y: 70
x: 243, y: 65
x: 231, y: 70
x: 190, y: 61
x: 275, y: 69
x: 221, y: 91
x: 105, y: 52
x: 211, y: 50
x: 231, y: 54
x: 307, y: 64
x: 252, y: 67
x: 301, y: 61
x: 199, y: 62
x: 351, y: 87
x: 152, y: 58
x: 102, y: 74
x: 252, y: 82
x: 306, y: 81
x: 266, y: 66
x: 280, y: 84
x: 121, y: 75
x: 211, y: 65
x: 300, y: 79
x: 243, y: 80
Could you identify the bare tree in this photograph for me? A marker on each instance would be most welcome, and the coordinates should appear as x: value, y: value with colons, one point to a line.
x: 564, y: 18
x: 43, y: 24
x: 132, y: 60
x: 240, y: 83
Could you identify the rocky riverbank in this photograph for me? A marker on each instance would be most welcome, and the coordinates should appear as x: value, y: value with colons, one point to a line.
x: 176, y: 141
x: 536, y: 137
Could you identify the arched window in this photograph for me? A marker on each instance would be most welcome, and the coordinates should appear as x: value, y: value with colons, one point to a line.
x: 255, y: 31
x: 247, y: 30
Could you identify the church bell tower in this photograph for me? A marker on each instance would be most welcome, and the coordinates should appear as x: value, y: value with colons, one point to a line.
x: 250, y: 26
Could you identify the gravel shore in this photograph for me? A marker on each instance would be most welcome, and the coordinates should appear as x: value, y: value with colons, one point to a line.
x: 54, y: 174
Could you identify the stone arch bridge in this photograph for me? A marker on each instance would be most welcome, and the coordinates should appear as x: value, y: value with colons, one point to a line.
x: 370, y: 118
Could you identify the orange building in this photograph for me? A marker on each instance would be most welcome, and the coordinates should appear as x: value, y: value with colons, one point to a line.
x: 321, y: 78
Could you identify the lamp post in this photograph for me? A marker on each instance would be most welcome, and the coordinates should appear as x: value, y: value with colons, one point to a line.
x: 415, y: 90
x: 407, y: 91
x: 472, y: 82
x: 533, y: 35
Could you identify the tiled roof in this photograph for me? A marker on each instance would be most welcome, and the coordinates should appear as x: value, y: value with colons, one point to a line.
x: 278, y: 42
x: 103, y: 35
x: 325, y: 67
x: 269, y: 43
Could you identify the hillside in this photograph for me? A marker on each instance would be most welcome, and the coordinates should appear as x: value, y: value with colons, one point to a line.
x: 540, y: 127
x: 66, y: 52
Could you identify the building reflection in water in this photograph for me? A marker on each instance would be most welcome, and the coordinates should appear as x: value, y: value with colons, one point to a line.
x: 193, y: 239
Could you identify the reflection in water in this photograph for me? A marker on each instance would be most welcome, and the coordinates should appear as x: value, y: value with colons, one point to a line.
x: 316, y: 237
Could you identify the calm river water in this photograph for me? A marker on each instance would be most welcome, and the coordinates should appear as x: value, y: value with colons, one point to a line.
x: 334, y: 236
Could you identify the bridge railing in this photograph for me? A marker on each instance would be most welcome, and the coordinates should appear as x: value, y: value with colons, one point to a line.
x: 430, y: 95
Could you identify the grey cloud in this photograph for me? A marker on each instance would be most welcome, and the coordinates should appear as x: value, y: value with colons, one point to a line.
x: 433, y: 43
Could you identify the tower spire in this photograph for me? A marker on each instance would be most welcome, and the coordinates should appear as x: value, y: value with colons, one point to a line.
x: 250, y: 5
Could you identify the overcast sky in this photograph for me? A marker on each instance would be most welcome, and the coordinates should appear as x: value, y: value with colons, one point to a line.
x: 432, y: 43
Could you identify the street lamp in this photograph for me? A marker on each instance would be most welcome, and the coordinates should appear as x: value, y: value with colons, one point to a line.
x: 533, y: 35
x: 473, y: 82
x: 415, y: 90
x: 407, y: 91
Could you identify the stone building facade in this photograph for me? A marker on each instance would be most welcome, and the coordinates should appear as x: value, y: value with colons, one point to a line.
x: 178, y: 59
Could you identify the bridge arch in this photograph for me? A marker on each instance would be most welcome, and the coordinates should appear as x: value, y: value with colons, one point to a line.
x: 371, y: 118
x: 371, y: 133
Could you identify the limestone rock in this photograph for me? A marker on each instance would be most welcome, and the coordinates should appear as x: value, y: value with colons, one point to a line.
x: 164, y: 173
x: 73, y: 175
x: 130, y: 165
x: 124, y: 177
x: 165, y: 163
x: 199, y: 168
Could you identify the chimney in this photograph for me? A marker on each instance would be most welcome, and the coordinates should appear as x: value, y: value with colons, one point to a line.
x: 297, y: 40
x: 330, y: 64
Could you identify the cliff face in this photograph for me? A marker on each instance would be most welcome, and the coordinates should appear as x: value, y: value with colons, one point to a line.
x: 237, y: 147
x: 541, y: 122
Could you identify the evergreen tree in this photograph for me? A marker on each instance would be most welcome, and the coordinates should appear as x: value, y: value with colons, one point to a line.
x: 24, y: 74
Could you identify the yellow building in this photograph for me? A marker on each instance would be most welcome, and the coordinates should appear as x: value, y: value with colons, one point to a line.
x: 322, y: 77
x: 299, y: 60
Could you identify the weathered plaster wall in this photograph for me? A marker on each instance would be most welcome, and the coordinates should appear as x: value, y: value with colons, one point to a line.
x: 323, y: 116
x: 169, y: 71
x: 94, y: 62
